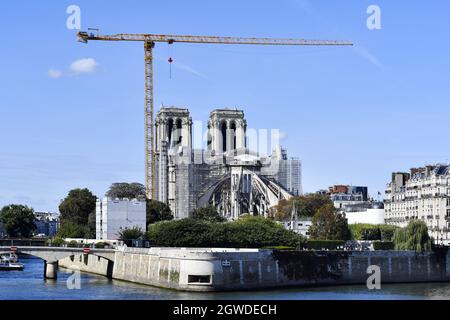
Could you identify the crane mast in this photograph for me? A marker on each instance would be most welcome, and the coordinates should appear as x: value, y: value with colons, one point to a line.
x: 149, y: 43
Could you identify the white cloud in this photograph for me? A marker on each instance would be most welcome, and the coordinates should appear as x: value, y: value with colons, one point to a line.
x: 189, y: 69
x: 55, y: 74
x: 363, y: 52
x: 83, y: 66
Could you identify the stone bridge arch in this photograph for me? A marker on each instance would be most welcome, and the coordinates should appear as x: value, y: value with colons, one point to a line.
x: 51, y: 256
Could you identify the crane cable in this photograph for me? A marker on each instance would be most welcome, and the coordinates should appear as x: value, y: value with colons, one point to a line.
x: 170, y: 59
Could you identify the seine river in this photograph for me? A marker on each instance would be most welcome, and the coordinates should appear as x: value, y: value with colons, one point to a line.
x: 30, y: 285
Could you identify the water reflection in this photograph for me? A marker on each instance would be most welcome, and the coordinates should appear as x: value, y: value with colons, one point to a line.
x: 30, y: 285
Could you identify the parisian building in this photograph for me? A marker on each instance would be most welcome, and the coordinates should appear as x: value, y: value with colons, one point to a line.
x: 47, y: 224
x: 345, y: 195
x: 421, y: 194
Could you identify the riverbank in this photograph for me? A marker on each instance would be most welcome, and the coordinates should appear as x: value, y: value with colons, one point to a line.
x: 207, y: 270
x: 30, y: 285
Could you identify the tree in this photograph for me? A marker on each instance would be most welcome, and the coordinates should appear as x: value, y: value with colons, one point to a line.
x: 18, y: 220
x: 327, y: 224
x: 158, y: 211
x: 92, y: 225
x: 208, y: 214
x: 413, y: 237
x: 134, y: 233
x: 305, y: 206
x: 75, y: 210
x: 69, y: 229
x: 126, y: 190
x: 363, y: 231
x: 248, y: 232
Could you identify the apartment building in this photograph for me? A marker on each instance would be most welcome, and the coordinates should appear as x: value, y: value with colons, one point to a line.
x: 423, y: 193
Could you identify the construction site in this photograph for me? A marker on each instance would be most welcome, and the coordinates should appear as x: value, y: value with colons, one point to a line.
x: 227, y: 174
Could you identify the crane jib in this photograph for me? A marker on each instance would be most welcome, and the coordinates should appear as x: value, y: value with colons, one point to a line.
x: 84, y: 37
x: 149, y: 41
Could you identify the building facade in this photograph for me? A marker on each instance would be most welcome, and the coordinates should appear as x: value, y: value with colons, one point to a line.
x: 113, y: 215
x: 47, y: 224
x: 286, y: 171
x: 345, y: 195
x: 369, y: 212
x: 421, y: 194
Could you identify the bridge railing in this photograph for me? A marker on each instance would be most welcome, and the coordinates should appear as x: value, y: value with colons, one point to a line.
x: 52, y: 243
x: 23, y: 242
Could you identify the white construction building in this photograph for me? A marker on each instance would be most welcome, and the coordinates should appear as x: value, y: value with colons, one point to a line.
x: 112, y: 215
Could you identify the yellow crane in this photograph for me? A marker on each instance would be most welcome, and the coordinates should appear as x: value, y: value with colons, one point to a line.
x: 149, y: 41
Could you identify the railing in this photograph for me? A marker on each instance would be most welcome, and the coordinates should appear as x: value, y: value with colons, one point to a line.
x: 23, y: 242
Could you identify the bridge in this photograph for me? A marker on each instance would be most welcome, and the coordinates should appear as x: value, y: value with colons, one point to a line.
x: 51, y: 255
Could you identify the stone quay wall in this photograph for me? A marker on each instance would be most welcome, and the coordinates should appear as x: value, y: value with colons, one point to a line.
x: 245, y: 269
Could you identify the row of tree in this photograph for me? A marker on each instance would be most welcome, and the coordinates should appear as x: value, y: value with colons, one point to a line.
x: 208, y: 227
x: 327, y: 223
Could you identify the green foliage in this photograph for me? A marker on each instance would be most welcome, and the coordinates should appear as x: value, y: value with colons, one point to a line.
x: 70, y: 229
x: 126, y: 190
x: 387, y: 232
x: 56, y: 242
x: 324, y: 244
x: 306, y: 206
x: 371, y: 232
x: 158, y: 211
x: 365, y: 232
x: 383, y: 245
x: 208, y: 214
x: 77, y: 206
x: 248, y: 232
x: 101, y: 245
x: 91, y: 225
x: 134, y: 233
x: 18, y: 220
x: 413, y: 237
x: 327, y: 224
x: 72, y: 244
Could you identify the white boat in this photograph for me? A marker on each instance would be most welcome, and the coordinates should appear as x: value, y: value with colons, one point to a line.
x: 10, y: 263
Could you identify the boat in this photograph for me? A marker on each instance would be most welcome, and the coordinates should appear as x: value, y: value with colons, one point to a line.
x: 10, y: 263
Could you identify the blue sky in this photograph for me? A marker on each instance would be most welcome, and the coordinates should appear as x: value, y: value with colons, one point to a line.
x: 353, y: 115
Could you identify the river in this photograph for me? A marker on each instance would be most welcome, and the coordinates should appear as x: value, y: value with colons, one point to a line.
x: 30, y: 285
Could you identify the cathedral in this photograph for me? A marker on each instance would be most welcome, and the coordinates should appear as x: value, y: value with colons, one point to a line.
x: 225, y: 174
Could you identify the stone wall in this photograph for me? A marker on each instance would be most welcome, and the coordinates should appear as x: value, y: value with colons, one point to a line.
x: 88, y: 263
x: 232, y: 269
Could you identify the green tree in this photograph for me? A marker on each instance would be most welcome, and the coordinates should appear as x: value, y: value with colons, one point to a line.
x: 367, y: 232
x: 413, y: 237
x: 208, y: 214
x: 305, y: 206
x: 75, y: 210
x: 387, y: 232
x: 92, y: 225
x: 363, y: 231
x: 126, y: 190
x: 327, y: 224
x: 68, y: 229
x: 158, y: 211
x: 248, y: 232
x: 134, y: 233
x: 18, y: 220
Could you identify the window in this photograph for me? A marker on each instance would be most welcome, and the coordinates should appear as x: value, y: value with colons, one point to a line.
x: 193, y: 279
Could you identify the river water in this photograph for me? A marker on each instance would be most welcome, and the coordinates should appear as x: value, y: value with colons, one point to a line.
x: 30, y: 285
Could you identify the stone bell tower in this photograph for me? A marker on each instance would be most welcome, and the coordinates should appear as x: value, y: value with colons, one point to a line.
x: 226, y: 131
x: 173, y: 128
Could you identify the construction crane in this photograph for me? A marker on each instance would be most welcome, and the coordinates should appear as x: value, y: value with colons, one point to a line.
x: 149, y: 41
